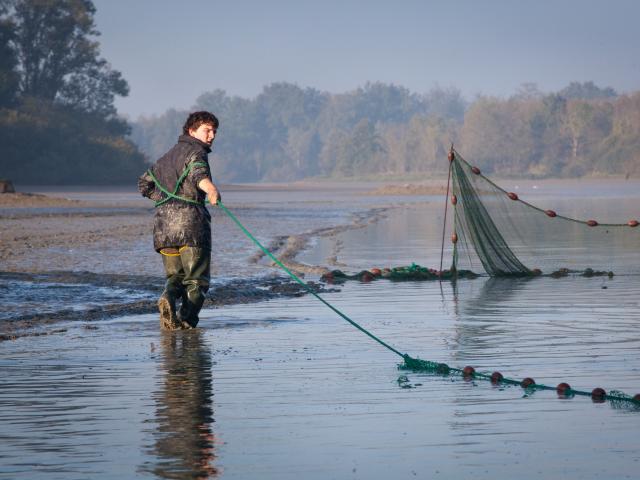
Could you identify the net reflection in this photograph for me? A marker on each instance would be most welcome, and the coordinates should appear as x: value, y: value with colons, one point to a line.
x: 184, y: 440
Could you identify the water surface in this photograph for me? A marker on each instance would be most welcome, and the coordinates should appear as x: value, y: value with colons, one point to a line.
x: 286, y: 389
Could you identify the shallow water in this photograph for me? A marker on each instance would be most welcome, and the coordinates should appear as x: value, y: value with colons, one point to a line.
x: 286, y: 389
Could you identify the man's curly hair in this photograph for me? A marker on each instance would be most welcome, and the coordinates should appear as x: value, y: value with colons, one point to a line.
x: 198, y: 118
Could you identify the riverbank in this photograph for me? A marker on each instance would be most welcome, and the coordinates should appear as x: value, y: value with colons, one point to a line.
x: 86, y: 254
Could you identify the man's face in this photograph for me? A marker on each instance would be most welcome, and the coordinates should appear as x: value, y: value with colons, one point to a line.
x: 205, y: 133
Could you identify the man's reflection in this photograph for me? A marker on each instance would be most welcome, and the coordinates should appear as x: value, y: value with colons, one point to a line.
x: 184, y: 444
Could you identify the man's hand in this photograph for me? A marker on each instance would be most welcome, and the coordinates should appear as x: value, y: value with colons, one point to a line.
x: 213, y: 195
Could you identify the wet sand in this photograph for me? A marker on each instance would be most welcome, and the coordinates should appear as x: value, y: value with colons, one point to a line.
x: 101, y: 239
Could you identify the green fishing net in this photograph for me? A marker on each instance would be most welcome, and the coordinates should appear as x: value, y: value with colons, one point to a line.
x: 503, y: 234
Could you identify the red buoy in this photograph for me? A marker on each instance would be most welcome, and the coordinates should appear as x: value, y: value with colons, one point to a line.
x: 468, y: 371
x: 592, y: 223
x: 454, y: 200
x: 496, y: 377
x: 527, y: 382
x: 550, y: 213
x: 632, y: 223
x: 475, y: 170
x: 376, y: 272
x: 366, y: 276
x: 563, y: 388
x: 512, y: 196
x: 598, y: 393
x: 454, y: 238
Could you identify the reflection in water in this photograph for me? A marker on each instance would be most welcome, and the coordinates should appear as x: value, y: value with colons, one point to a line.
x: 481, y: 318
x: 184, y: 441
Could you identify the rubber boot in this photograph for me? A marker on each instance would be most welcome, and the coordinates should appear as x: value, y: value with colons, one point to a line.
x: 167, y: 307
x: 192, y: 302
x: 196, y: 267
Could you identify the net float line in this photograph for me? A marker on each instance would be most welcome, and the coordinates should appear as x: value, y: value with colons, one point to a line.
x: 563, y: 389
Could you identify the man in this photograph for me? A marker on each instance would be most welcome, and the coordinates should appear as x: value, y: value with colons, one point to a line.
x: 179, y: 182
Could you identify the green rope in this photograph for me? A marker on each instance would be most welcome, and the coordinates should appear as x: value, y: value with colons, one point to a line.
x: 306, y: 287
x: 173, y: 195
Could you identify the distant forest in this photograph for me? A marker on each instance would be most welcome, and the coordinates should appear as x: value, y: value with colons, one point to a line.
x: 385, y: 131
x: 59, y: 125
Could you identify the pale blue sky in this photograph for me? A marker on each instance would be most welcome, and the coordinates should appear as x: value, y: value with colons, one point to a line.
x: 172, y: 51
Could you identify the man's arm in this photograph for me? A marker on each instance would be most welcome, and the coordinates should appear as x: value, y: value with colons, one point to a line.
x: 210, y: 189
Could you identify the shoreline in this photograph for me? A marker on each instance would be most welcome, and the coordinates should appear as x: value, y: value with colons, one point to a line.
x: 61, y: 237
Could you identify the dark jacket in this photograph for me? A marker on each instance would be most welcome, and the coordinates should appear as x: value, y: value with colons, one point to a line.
x: 178, y: 223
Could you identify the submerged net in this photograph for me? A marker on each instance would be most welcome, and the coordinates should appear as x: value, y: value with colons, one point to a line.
x: 504, y: 235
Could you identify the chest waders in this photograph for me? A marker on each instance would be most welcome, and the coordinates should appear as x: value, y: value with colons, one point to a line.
x: 187, y: 269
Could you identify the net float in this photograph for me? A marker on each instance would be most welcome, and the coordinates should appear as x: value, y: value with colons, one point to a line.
x: 327, y: 277
x: 376, y: 272
x: 366, y: 276
x: 468, y: 371
x: 475, y: 170
x: 550, y: 213
x: 632, y: 223
x: 454, y: 201
x: 527, y: 382
x: 496, y: 377
x: 636, y: 397
x: 598, y: 393
x: 512, y: 196
x: 536, y: 271
x: 592, y: 223
x: 454, y: 238
x: 563, y: 388
x: 451, y: 156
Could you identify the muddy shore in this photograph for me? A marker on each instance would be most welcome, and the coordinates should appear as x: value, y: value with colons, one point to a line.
x: 104, y: 242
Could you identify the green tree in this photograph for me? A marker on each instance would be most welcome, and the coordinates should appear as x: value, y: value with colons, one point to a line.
x: 59, y: 124
x: 586, y: 91
x: 8, y: 59
x: 360, y: 152
x: 58, y: 56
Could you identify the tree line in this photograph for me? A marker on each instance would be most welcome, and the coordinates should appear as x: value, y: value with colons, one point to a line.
x: 58, y: 123
x: 380, y: 130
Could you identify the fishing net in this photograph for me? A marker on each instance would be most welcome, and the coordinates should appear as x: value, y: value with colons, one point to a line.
x: 504, y: 235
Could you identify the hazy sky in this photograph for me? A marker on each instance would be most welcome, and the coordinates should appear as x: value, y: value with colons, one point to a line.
x: 172, y: 51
